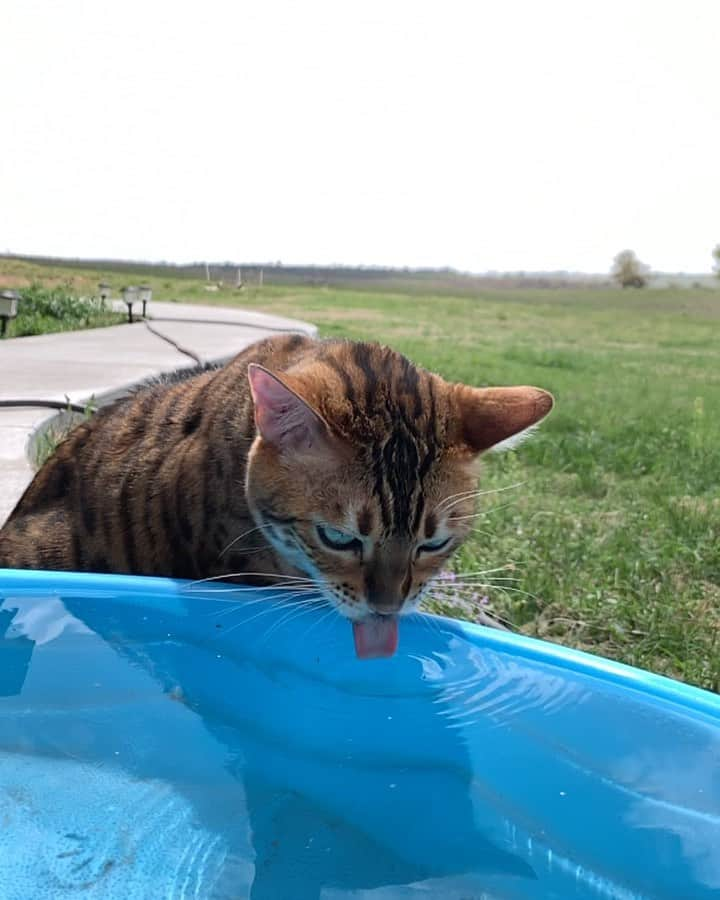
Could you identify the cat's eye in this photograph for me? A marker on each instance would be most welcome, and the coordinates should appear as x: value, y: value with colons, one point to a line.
x: 434, y: 546
x: 336, y: 539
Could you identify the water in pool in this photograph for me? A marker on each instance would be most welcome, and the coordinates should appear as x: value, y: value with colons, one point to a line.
x: 157, y: 743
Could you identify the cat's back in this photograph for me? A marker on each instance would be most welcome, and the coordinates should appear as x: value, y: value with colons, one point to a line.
x: 134, y: 480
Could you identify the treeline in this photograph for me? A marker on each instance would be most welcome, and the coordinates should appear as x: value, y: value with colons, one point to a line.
x: 331, y: 276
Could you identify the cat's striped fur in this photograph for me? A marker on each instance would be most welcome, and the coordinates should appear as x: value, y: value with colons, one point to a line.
x: 345, y: 436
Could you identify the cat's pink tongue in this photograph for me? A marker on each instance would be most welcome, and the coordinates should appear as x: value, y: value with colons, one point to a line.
x: 376, y: 636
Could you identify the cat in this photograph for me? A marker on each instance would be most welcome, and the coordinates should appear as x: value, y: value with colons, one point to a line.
x: 335, y: 461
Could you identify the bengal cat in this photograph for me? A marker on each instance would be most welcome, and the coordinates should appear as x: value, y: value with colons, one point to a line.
x: 336, y: 461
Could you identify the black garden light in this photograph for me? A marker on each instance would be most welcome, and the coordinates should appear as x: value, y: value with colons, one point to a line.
x: 145, y: 296
x: 130, y: 295
x: 8, y: 309
x: 104, y: 292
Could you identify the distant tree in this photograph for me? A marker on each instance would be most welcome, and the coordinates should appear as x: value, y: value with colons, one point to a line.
x: 628, y: 271
x: 716, y: 257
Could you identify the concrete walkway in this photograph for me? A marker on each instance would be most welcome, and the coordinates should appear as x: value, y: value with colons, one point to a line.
x: 101, y: 363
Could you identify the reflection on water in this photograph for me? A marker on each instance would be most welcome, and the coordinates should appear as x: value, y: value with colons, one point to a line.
x: 173, y: 752
x: 684, y: 805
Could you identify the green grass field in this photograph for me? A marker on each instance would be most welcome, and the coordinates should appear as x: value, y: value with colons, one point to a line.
x: 611, y: 543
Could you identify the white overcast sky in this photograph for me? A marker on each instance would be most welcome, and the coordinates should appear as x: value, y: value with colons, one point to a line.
x: 506, y: 135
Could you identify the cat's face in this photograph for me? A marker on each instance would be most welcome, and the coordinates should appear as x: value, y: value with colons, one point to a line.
x: 370, y: 495
x: 327, y: 521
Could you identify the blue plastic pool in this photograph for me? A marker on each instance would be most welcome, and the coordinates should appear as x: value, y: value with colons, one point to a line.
x: 157, y: 742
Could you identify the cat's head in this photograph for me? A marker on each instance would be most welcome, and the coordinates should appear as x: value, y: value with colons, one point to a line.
x: 363, y: 474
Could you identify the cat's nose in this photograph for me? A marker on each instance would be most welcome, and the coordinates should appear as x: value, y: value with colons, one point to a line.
x: 387, y: 583
x: 385, y: 604
x: 385, y: 597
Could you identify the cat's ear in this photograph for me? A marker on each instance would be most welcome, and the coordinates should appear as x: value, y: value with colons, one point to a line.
x: 282, y: 417
x: 489, y: 417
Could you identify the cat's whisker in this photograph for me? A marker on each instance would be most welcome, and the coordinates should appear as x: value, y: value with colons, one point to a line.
x: 227, y: 575
x: 492, y: 619
x: 240, y: 537
x: 479, y: 514
x: 506, y: 589
x: 482, y: 512
x: 501, y: 585
x: 470, y: 495
x: 241, y: 623
x: 278, y: 575
x: 482, y: 610
x: 229, y: 596
x: 515, y: 590
x: 296, y: 599
x: 460, y: 494
x: 471, y: 583
x: 476, y: 590
x: 323, y: 618
x: 487, y: 613
x: 267, y: 609
x: 263, y: 591
x: 247, y: 551
x: 429, y: 620
x: 481, y: 573
x: 241, y: 605
x: 237, y: 602
x: 484, y: 533
x: 288, y: 617
x: 473, y: 589
x: 222, y: 587
x: 250, y: 588
x: 464, y: 575
x: 231, y: 606
x: 476, y: 492
x: 292, y: 616
x: 473, y: 594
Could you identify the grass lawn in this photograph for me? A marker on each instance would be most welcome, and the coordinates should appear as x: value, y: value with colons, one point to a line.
x: 612, y: 543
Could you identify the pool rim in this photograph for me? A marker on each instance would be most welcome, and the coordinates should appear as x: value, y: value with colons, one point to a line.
x: 659, y: 687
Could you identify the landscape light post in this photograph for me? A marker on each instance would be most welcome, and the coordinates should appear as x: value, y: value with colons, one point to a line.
x: 145, y: 297
x: 104, y: 293
x: 130, y: 296
x: 8, y: 309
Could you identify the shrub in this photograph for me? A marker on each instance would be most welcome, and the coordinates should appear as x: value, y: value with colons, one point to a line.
x: 43, y: 310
